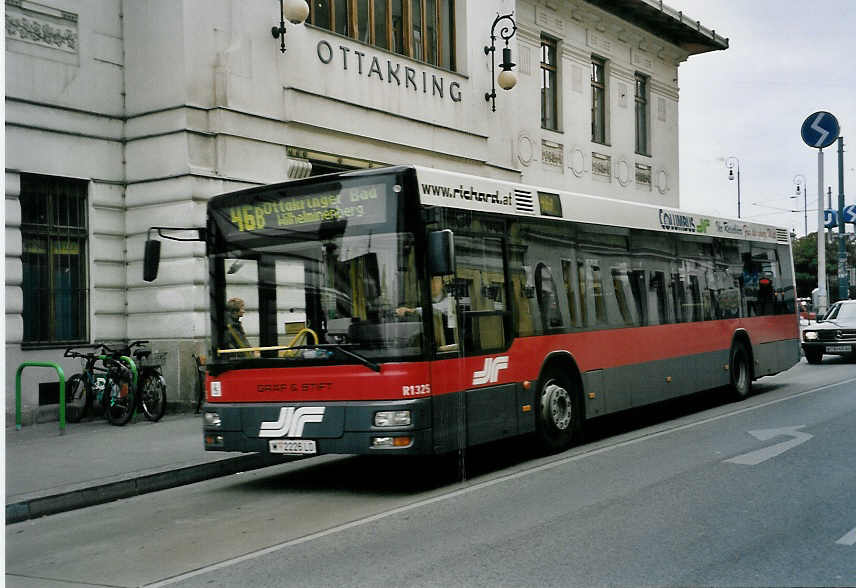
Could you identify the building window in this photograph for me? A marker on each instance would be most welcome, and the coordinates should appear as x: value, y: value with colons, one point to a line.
x: 598, y: 100
x: 54, y: 234
x: 549, y: 92
x: 421, y: 29
x: 642, y: 115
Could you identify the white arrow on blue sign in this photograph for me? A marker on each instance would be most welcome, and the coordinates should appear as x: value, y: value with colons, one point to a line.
x: 850, y: 214
x: 820, y: 130
x: 830, y: 218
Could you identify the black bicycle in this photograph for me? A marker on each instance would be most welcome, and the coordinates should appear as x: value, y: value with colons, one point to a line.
x: 151, y: 386
x: 105, y: 385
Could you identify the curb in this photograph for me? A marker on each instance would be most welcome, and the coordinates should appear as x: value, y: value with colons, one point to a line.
x: 65, y: 501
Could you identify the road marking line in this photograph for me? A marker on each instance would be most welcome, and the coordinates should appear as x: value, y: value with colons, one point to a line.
x: 848, y: 539
x: 761, y: 455
x: 478, y: 486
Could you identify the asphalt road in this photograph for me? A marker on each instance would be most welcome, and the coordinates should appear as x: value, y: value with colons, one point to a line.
x: 695, y: 492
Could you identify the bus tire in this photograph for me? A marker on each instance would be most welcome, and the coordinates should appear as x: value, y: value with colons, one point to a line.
x: 740, y: 371
x: 559, y: 416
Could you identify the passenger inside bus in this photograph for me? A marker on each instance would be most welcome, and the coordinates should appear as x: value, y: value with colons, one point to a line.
x: 236, y: 337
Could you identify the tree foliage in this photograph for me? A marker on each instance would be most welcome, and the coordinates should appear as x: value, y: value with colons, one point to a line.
x: 805, y: 265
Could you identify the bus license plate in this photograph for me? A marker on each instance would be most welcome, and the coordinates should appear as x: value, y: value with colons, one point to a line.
x: 838, y: 349
x: 293, y: 446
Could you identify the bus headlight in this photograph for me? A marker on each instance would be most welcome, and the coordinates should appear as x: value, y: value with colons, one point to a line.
x: 392, y: 418
x: 810, y: 335
x: 212, y: 419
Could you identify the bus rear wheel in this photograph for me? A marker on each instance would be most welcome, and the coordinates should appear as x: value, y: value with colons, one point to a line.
x: 559, y: 413
x: 740, y: 369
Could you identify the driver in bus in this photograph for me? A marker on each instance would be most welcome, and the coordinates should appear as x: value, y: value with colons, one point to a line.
x: 444, y: 312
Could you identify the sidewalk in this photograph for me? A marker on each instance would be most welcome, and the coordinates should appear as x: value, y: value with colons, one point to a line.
x: 95, y: 462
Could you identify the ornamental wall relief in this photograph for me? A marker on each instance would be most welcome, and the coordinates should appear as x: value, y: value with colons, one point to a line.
x: 525, y: 148
x: 577, y: 162
x: 41, y: 25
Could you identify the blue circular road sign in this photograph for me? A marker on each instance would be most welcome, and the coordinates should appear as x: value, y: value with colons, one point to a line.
x: 820, y: 130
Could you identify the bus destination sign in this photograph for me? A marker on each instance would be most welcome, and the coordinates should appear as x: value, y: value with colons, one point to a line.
x: 356, y: 205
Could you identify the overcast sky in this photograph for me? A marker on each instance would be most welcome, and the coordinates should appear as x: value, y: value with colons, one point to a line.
x: 786, y: 59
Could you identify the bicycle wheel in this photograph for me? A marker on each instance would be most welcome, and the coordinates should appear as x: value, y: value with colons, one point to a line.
x: 76, y: 398
x: 153, y: 396
x: 119, y: 396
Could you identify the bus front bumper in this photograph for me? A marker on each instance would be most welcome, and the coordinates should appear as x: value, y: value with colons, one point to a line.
x: 322, y: 428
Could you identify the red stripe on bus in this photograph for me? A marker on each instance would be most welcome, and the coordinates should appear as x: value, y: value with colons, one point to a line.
x: 603, y: 349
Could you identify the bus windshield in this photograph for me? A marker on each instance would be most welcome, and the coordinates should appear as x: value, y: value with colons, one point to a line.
x: 318, y: 275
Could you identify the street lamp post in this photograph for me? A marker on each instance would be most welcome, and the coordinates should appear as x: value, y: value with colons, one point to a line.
x: 799, y: 182
x: 731, y: 163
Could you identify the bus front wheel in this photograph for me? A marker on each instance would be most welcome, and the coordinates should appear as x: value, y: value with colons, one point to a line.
x: 559, y: 413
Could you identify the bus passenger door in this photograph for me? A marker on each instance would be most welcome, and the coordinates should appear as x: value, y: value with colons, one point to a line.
x: 491, y: 405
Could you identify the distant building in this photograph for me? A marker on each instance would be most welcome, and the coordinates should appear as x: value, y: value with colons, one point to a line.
x: 123, y: 114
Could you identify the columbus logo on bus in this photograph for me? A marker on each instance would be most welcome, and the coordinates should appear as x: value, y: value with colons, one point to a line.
x: 673, y: 221
x: 291, y: 421
x: 490, y: 373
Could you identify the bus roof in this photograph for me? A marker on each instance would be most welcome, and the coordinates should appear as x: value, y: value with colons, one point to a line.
x: 456, y: 190
x: 469, y: 192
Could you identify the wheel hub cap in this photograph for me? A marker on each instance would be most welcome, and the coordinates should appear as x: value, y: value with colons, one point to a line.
x: 556, y: 404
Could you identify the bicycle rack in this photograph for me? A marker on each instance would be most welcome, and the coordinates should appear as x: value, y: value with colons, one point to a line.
x: 61, y: 375
x: 133, y: 366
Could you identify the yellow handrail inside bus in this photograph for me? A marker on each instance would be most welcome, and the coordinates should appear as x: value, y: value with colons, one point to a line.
x: 302, y: 337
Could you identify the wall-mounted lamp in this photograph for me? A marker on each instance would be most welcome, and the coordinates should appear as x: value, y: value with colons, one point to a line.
x: 295, y: 12
x: 506, y: 78
x: 731, y: 163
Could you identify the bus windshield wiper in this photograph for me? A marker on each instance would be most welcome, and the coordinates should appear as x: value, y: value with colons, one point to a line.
x: 363, y: 360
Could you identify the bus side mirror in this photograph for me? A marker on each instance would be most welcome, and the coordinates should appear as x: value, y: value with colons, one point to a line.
x: 151, y: 260
x: 441, y: 253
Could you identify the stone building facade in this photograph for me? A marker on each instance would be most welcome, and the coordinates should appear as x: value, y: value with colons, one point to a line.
x: 124, y: 114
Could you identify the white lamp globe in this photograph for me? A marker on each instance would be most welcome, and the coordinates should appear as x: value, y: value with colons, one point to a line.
x: 506, y: 79
x: 296, y: 11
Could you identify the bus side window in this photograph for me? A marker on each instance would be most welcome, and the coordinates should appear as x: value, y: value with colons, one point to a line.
x: 621, y: 285
x: 570, y: 291
x: 548, y: 304
x: 583, y: 282
x: 637, y: 286
x: 658, y: 286
x: 599, y: 295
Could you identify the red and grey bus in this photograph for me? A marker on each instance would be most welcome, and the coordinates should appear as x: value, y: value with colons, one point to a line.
x: 410, y: 310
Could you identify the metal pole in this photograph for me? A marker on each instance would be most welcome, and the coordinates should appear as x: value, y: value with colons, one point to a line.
x: 843, y: 281
x: 738, y: 190
x: 828, y: 232
x: 821, y: 240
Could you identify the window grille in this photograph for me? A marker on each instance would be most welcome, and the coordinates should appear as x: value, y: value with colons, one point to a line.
x: 54, y: 237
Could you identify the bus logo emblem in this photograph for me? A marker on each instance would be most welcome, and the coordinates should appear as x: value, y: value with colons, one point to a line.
x: 291, y: 421
x: 490, y: 373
